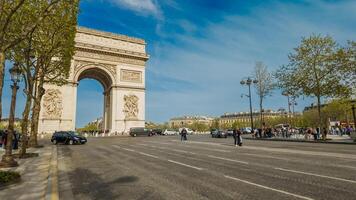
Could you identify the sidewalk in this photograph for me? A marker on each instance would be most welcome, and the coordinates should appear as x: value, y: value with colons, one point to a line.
x: 35, y: 176
x: 331, y: 139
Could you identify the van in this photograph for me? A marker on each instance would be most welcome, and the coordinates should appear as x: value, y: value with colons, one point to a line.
x: 140, y: 131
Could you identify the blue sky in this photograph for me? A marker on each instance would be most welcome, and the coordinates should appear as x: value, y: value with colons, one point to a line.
x: 201, y: 49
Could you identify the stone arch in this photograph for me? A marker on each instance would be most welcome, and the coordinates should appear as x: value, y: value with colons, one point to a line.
x: 100, y: 72
x: 105, y: 75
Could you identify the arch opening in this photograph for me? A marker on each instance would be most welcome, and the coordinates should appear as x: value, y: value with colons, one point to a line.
x: 96, y: 74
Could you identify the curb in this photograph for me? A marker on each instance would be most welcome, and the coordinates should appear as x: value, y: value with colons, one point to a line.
x: 305, y: 141
x: 52, y: 184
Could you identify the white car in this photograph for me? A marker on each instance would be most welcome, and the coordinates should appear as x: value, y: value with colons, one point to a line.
x: 169, y: 132
x: 189, y: 131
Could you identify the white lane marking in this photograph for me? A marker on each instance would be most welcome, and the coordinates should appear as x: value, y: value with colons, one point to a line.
x: 344, y: 166
x: 268, y: 188
x: 128, y: 149
x: 149, y: 155
x: 194, y: 147
x: 186, y: 165
x: 318, y: 175
x: 227, y: 159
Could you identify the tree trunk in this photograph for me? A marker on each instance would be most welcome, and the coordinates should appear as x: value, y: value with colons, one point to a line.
x: 36, y: 109
x: 261, y: 114
x: 319, y: 118
x: 2, y: 75
x: 25, y: 119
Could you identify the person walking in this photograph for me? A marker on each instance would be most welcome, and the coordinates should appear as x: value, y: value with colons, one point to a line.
x: 239, y: 138
x: 234, y: 133
x: 183, y: 135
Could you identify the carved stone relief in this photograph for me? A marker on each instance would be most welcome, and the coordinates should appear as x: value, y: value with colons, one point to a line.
x: 52, y: 104
x: 131, y: 76
x: 130, y: 106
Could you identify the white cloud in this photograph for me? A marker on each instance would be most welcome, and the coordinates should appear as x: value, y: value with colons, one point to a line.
x: 229, y: 49
x: 142, y: 7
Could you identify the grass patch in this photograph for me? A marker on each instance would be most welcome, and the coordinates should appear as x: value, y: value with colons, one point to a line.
x: 7, y: 177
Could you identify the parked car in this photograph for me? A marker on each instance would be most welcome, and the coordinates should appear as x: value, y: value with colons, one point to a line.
x: 68, y: 137
x: 170, y: 132
x: 140, y: 131
x: 219, y: 134
x: 246, y: 130
x: 230, y: 132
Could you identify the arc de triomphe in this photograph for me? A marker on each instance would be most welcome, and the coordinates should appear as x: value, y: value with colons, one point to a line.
x: 118, y: 63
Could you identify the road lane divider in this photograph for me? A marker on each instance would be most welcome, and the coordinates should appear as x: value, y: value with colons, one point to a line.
x: 317, y: 175
x: 268, y: 188
x: 186, y: 165
x: 227, y: 159
x: 149, y: 155
x: 128, y: 149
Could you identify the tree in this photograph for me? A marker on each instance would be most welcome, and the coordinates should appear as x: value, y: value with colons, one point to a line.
x: 23, y: 55
x: 54, y: 44
x: 264, y: 86
x: 18, y: 18
x: 314, y: 69
x: 215, y: 124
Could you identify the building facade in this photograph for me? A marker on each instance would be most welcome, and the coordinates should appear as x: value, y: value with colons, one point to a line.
x: 189, y: 120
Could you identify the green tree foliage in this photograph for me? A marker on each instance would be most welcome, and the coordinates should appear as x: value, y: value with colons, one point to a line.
x: 200, y: 127
x: 18, y: 18
x: 91, y: 127
x: 54, y: 49
x: 316, y: 68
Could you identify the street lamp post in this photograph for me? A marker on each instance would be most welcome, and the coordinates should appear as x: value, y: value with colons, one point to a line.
x: 248, y: 82
x: 7, y: 159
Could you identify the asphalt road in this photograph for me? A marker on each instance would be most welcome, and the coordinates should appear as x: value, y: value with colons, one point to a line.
x: 162, y: 167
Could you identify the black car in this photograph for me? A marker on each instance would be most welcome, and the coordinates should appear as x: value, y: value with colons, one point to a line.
x: 137, y: 131
x: 68, y: 137
x: 218, y: 134
x: 157, y: 131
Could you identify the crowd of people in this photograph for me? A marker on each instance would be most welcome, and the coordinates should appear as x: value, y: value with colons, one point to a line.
x: 306, y: 133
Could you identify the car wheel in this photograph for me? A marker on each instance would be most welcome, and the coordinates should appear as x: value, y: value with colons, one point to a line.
x: 54, y: 141
x: 134, y: 135
x: 71, y: 142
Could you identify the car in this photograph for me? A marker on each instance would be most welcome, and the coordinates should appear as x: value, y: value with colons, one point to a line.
x: 157, y: 131
x: 68, y: 137
x: 218, y: 134
x: 140, y: 131
x: 189, y: 131
x: 170, y: 132
x: 246, y: 130
x: 230, y: 132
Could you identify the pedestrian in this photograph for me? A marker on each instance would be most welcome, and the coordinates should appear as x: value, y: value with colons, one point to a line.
x: 183, y: 135
x: 239, y: 138
x: 234, y: 133
x: 315, y: 133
